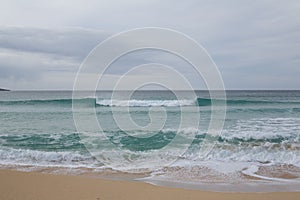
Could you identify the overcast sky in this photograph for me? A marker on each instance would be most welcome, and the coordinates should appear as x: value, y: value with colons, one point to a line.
x: 255, y: 44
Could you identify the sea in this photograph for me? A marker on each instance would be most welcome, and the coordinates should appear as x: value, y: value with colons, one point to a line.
x: 257, y: 150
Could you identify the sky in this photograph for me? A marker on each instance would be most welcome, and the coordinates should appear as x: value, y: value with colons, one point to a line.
x: 255, y: 44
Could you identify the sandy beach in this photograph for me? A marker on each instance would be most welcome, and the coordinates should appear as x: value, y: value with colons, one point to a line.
x: 33, y: 186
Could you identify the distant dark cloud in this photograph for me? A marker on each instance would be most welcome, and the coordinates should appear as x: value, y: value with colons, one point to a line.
x: 63, y: 42
x: 30, y: 53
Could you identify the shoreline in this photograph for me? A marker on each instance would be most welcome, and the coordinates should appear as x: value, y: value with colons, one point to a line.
x: 36, y: 185
x: 242, y: 184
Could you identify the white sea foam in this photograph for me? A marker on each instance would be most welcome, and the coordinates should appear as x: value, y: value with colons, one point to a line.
x: 146, y: 103
x: 263, y: 128
x: 21, y: 157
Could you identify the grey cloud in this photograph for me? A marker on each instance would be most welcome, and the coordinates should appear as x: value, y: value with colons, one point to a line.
x: 30, y: 53
x: 62, y: 42
x: 32, y: 64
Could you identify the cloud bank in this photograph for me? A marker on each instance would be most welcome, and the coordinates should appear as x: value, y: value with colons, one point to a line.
x: 255, y: 44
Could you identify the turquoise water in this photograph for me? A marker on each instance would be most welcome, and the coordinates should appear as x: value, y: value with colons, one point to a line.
x: 261, y: 131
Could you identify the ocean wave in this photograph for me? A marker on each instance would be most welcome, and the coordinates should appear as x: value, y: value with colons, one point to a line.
x: 208, y: 102
x: 184, y: 102
x: 146, y: 102
x: 43, y: 142
x: 62, y: 151
x: 286, y: 134
x: 55, y: 102
x: 264, y: 129
x: 10, y: 156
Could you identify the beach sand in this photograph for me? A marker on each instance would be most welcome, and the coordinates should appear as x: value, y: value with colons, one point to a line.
x: 34, y: 186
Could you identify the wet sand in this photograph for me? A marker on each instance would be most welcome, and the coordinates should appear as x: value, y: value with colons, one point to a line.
x: 34, y: 186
